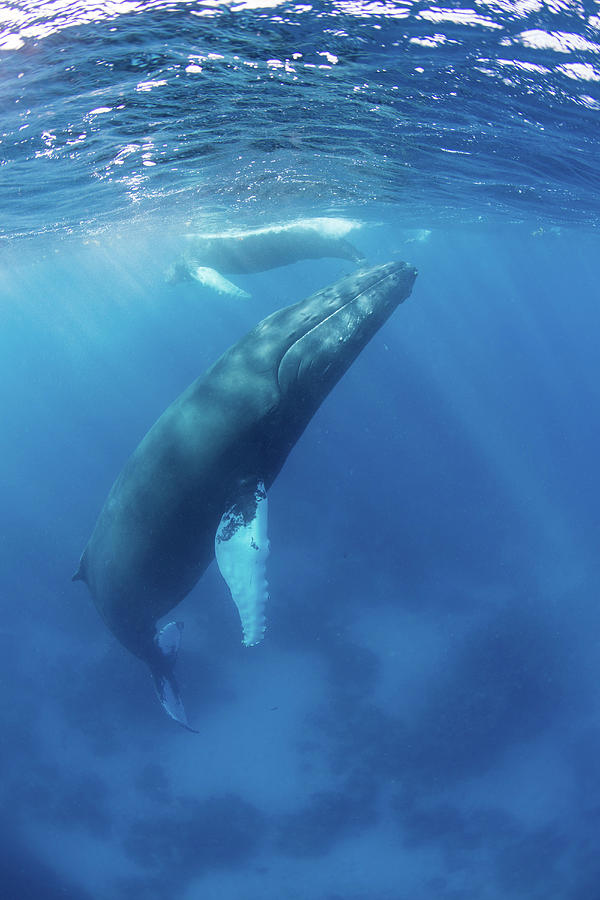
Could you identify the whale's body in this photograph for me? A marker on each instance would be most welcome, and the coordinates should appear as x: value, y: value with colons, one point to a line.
x: 197, y: 482
x: 259, y: 249
x: 208, y: 257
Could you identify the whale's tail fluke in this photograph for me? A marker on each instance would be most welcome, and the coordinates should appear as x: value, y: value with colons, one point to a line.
x: 162, y: 666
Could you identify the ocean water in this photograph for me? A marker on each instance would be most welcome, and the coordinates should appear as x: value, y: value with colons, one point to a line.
x: 422, y: 720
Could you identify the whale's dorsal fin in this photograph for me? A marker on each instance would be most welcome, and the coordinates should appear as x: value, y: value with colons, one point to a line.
x: 241, y: 550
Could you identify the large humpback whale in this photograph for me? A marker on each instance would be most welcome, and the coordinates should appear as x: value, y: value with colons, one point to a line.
x: 196, y: 485
x: 208, y: 257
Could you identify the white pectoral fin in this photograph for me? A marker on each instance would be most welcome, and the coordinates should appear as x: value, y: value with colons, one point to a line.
x: 241, y: 550
x: 212, y: 279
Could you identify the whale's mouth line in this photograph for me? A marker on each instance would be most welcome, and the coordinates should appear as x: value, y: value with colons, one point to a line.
x: 397, y: 268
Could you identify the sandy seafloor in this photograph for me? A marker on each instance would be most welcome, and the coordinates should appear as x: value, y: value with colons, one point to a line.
x: 422, y: 718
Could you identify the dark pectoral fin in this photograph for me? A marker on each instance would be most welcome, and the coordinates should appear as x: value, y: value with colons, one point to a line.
x: 79, y: 575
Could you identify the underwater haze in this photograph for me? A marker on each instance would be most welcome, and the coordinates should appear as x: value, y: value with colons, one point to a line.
x: 422, y: 718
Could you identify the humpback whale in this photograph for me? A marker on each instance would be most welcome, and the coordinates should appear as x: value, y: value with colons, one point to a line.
x: 208, y: 257
x: 196, y: 486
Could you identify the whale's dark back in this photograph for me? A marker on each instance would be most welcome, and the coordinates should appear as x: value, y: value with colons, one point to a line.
x: 234, y: 425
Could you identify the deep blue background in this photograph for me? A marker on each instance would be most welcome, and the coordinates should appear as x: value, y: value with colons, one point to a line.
x: 422, y: 718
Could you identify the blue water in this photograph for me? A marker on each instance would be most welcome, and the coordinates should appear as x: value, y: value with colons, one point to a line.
x: 422, y: 719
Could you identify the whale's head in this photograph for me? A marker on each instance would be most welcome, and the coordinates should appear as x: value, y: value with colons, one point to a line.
x: 321, y: 336
x: 280, y: 372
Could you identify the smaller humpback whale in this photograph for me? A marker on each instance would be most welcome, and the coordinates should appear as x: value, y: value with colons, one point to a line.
x: 196, y: 486
x: 208, y: 257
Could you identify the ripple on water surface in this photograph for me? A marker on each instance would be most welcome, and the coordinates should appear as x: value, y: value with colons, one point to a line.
x: 123, y: 110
